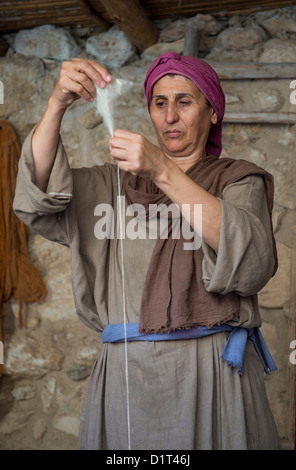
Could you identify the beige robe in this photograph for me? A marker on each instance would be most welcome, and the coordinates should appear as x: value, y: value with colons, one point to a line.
x: 182, y: 395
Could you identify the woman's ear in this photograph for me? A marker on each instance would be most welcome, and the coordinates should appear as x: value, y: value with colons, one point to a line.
x: 214, y: 118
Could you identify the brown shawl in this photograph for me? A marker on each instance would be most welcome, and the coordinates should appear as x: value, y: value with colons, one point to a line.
x: 174, y: 295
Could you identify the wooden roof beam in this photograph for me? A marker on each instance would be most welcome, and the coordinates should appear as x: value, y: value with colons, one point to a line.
x: 91, y: 12
x: 133, y: 21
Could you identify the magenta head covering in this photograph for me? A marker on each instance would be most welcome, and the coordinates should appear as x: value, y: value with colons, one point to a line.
x: 206, y: 80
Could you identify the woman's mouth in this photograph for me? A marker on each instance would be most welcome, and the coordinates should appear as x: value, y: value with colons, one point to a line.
x: 173, y: 133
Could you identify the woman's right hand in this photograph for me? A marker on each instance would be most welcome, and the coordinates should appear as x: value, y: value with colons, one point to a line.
x: 76, y: 80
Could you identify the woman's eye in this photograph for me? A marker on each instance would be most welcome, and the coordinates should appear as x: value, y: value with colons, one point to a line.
x: 184, y: 103
x: 160, y: 104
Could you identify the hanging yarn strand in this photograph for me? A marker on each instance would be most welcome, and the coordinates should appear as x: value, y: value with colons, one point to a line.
x: 120, y: 207
x: 106, y: 98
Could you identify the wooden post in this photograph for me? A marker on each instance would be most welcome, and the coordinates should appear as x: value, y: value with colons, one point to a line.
x: 191, y: 42
x: 1, y: 337
x: 133, y: 21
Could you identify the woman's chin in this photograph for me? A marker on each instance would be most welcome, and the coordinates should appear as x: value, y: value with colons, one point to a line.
x: 174, y: 149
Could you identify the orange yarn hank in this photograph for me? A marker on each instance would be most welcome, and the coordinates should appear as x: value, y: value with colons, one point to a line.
x: 19, y: 278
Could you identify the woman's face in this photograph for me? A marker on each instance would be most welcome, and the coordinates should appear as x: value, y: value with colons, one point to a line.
x: 181, y: 116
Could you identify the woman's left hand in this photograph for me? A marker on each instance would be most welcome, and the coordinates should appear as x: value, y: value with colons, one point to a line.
x: 138, y: 156
x: 135, y: 154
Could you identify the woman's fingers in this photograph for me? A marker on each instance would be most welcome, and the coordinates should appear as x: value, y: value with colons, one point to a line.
x: 134, y: 153
x: 137, y: 155
x: 77, y: 78
x: 126, y: 139
x: 81, y: 84
x: 95, y: 71
x: 123, y: 145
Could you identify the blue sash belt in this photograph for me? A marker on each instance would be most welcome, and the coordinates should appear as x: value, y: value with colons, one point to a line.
x: 233, y: 352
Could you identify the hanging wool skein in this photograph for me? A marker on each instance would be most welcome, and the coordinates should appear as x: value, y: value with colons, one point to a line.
x: 19, y: 278
x: 106, y: 99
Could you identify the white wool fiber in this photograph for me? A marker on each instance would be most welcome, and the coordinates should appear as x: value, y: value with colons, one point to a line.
x: 108, y: 97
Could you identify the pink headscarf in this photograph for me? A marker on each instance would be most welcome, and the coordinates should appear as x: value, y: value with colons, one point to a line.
x: 206, y: 80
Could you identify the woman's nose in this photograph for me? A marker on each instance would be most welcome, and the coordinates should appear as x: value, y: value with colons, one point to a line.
x: 172, y: 113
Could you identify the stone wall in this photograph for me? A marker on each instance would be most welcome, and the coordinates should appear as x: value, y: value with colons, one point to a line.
x: 48, y: 361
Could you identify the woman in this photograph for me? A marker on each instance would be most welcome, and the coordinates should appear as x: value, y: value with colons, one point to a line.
x: 181, y: 393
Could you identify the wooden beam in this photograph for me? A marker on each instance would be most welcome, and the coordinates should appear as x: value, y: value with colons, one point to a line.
x: 251, y: 70
x: 160, y: 9
x: 91, y: 12
x: 19, y: 14
x: 133, y: 21
x: 260, y: 118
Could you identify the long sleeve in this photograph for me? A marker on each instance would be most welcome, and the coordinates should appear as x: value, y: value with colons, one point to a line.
x: 44, y: 211
x: 66, y: 213
x: 244, y: 262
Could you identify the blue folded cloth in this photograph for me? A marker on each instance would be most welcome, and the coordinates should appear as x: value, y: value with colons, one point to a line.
x: 233, y: 352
